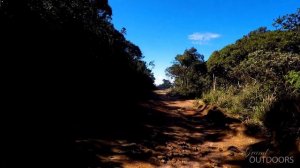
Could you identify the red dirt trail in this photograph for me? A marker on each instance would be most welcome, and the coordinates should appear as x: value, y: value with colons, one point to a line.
x: 176, y: 135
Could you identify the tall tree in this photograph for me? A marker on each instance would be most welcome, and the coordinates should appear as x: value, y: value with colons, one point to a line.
x: 186, y: 71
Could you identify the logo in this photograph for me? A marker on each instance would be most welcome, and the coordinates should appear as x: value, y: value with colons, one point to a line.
x: 263, y: 157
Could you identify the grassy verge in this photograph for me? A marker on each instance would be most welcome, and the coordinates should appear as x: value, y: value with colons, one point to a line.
x: 248, y: 103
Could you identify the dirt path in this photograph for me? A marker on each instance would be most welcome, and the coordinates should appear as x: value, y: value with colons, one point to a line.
x: 174, y: 134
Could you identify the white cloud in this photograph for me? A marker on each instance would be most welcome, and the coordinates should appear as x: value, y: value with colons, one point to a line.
x: 202, y: 38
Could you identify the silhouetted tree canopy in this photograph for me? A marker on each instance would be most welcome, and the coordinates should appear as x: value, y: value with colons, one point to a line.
x: 75, y: 43
x: 65, y: 66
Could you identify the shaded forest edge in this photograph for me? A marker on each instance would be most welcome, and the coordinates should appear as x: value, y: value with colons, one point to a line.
x: 66, y: 69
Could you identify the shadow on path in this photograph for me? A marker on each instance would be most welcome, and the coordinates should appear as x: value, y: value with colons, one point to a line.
x: 154, y: 134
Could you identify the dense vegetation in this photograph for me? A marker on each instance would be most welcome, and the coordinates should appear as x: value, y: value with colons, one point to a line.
x: 70, y: 49
x: 247, y: 77
x: 256, y: 79
x: 64, y: 64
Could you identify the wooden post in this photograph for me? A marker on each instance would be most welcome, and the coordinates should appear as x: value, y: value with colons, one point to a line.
x: 214, y: 82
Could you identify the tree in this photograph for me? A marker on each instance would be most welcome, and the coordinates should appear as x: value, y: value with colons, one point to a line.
x: 288, y: 22
x: 80, y: 37
x: 222, y: 63
x: 165, y: 85
x: 65, y: 63
x: 186, y: 71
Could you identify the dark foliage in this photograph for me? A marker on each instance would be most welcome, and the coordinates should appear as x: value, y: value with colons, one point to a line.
x: 165, y: 85
x: 283, y: 120
x: 64, y: 66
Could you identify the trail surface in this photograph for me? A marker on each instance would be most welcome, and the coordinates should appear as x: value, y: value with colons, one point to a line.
x: 172, y: 133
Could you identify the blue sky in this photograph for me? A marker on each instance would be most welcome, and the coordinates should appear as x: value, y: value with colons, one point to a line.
x: 164, y: 28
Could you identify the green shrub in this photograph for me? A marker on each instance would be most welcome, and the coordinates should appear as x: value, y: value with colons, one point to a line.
x: 293, y: 81
x: 247, y: 103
